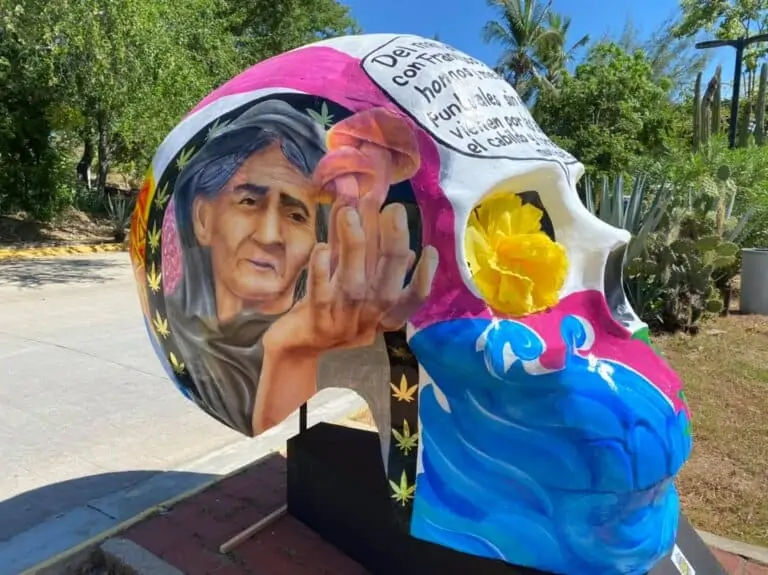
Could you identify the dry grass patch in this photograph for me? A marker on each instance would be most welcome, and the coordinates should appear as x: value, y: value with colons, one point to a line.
x: 724, y: 486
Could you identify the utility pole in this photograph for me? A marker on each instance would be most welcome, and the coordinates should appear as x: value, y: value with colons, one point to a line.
x: 740, y: 44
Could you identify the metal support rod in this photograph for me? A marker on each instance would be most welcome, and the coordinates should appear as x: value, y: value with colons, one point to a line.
x: 303, y: 418
x: 249, y: 532
x: 735, y: 95
x: 739, y: 44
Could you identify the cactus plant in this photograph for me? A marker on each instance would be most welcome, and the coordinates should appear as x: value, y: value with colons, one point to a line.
x: 716, y: 104
x: 705, y: 125
x: 706, y: 109
x: 683, y: 271
x: 760, y: 110
x: 743, y: 126
x: 697, y: 112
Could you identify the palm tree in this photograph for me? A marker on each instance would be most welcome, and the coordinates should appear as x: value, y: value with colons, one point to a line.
x: 520, y: 29
x: 553, y: 53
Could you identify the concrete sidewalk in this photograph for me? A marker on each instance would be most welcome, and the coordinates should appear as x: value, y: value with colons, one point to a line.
x: 86, y: 409
x: 85, y: 525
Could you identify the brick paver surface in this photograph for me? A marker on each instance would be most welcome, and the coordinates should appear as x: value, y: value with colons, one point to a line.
x: 189, y: 534
x: 735, y: 565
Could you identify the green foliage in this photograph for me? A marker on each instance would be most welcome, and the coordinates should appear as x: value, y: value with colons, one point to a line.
x: 610, y: 112
x: 31, y: 163
x: 115, y: 76
x: 39, y: 182
x: 741, y: 199
x: 687, y: 233
x: 760, y: 108
x: 671, y: 58
x: 534, y: 41
x: 688, y: 266
x: 728, y: 19
x: 680, y: 273
x: 264, y: 28
x: 120, y: 209
x: 742, y: 129
x: 630, y: 209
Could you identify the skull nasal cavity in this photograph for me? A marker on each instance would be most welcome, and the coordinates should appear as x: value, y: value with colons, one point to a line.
x: 613, y: 285
x: 534, y: 199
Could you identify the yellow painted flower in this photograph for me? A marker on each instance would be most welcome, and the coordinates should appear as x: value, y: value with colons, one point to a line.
x: 516, y: 267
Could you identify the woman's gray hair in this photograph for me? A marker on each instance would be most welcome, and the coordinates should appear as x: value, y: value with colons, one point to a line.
x: 302, y: 141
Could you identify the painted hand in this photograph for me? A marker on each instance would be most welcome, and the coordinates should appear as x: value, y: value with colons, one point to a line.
x: 347, y: 306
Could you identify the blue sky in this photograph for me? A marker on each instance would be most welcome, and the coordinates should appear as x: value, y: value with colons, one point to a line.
x: 459, y: 22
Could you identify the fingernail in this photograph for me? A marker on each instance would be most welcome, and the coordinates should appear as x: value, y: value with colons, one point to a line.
x: 401, y: 221
x: 352, y: 218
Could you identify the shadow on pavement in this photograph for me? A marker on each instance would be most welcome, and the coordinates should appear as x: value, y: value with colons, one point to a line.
x: 117, y: 496
x: 60, y: 270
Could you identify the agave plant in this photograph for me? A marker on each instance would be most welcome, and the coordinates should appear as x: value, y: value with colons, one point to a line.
x: 119, y: 210
x: 626, y: 207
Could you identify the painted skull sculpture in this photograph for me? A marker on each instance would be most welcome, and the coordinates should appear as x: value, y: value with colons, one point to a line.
x: 522, y: 412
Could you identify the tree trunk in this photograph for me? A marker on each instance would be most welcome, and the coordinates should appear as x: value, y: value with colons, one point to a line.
x: 103, y: 154
x: 84, y: 165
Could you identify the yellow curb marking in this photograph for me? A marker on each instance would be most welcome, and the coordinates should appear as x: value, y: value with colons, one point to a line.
x: 7, y: 254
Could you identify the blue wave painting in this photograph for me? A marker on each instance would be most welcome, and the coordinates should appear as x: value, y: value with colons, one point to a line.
x: 568, y: 471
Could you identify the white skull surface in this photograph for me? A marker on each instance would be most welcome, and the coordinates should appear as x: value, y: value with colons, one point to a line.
x: 549, y: 440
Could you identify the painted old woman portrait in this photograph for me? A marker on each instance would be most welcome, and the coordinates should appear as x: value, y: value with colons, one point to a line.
x: 289, y: 252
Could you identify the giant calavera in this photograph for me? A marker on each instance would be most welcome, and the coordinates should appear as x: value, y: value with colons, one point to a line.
x: 381, y: 213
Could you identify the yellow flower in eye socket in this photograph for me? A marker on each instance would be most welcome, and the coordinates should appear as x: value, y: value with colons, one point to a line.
x: 516, y: 267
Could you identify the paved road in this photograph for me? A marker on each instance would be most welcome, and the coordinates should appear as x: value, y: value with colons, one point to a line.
x: 85, y: 408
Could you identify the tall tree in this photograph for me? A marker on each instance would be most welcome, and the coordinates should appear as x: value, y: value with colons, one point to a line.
x: 728, y: 20
x: 265, y: 27
x: 670, y: 56
x: 31, y: 165
x: 121, y: 73
x: 124, y: 70
x: 521, y: 28
x: 553, y: 51
x: 610, y: 112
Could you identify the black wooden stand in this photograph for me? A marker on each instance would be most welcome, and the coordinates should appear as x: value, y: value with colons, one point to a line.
x: 337, y: 487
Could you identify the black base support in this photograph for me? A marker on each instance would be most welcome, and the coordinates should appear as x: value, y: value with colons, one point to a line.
x: 337, y: 487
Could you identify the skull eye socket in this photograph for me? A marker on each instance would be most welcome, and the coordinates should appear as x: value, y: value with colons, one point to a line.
x: 514, y: 262
x: 533, y: 198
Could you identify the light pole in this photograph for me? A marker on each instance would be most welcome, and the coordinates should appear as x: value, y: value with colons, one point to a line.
x: 740, y: 44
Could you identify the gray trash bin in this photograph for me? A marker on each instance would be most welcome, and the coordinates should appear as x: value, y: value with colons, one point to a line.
x: 754, y: 281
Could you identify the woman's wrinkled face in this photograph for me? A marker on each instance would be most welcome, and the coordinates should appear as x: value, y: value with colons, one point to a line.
x: 260, y: 229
